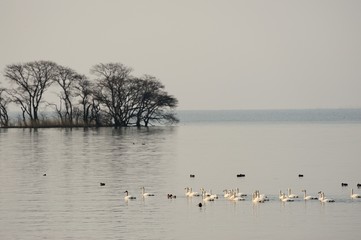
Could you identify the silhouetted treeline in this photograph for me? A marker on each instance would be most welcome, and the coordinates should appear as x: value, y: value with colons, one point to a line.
x: 112, y: 98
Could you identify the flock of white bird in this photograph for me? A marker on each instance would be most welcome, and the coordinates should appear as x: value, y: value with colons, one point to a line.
x: 236, y: 195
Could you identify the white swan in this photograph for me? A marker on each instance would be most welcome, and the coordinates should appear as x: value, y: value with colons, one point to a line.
x: 280, y: 196
x: 285, y: 198
x: 207, y: 194
x: 187, y: 191
x: 354, y: 195
x: 323, y: 199
x: 210, y: 194
x: 192, y: 194
x: 206, y: 198
x: 232, y: 194
x: 129, y: 197
x: 256, y: 197
x: 290, y: 195
x: 237, y: 198
x: 145, y: 194
x: 264, y: 197
x: 239, y: 194
x: 227, y: 193
x: 305, y: 197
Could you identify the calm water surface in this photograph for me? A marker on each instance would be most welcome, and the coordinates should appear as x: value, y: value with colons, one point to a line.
x: 69, y: 203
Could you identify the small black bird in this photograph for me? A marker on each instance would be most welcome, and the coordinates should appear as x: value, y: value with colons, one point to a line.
x: 192, y: 175
x: 102, y: 184
x: 170, y: 196
x: 200, y: 204
x: 300, y: 175
x: 344, y: 184
x: 241, y: 175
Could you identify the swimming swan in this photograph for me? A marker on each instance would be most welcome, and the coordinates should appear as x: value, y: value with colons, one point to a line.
x: 237, y: 198
x: 206, y: 198
x: 128, y: 197
x: 187, y: 191
x: 190, y: 193
x: 239, y: 194
x: 323, y: 199
x: 305, y: 197
x: 257, y: 198
x: 281, y: 194
x: 264, y: 197
x: 215, y: 196
x: 209, y: 194
x: 145, y: 194
x: 290, y: 195
x: 204, y: 192
x: 354, y: 195
x: 227, y: 193
x: 285, y: 198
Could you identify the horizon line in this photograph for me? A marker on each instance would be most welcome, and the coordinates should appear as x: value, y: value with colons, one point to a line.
x: 274, y: 109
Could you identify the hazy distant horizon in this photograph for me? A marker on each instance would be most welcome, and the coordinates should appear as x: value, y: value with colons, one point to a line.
x: 273, y: 109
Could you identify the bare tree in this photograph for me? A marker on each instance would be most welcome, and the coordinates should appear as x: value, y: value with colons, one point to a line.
x: 58, y: 110
x: 66, y: 79
x: 155, y: 105
x: 112, y: 82
x: 96, y: 114
x: 161, y: 109
x: 84, y: 90
x: 4, y: 101
x: 31, y: 80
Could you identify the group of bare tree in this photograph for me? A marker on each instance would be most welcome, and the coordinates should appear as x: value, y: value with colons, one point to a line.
x: 113, y: 98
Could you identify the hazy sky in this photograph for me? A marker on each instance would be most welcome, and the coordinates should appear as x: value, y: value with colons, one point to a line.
x: 256, y: 54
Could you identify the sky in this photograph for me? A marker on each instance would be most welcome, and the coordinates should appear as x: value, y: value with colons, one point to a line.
x: 209, y: 54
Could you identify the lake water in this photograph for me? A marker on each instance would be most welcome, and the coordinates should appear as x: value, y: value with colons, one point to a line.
x: 270, y: 147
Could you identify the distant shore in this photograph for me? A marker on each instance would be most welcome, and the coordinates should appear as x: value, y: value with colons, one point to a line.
x: 280, y: 115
